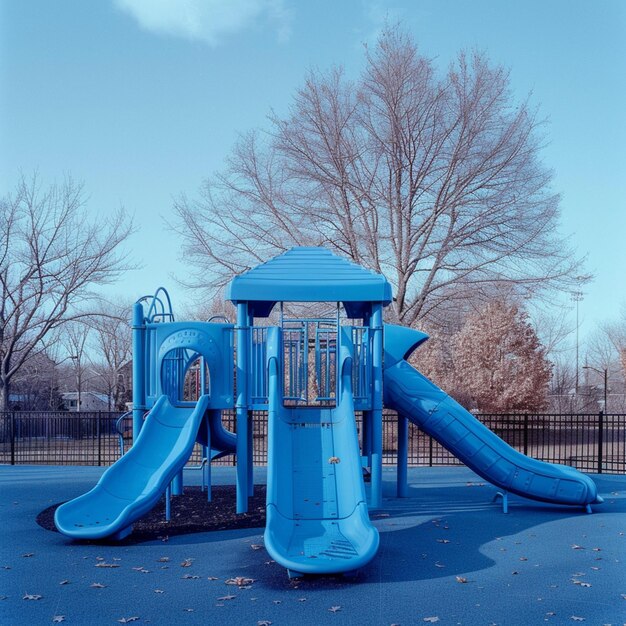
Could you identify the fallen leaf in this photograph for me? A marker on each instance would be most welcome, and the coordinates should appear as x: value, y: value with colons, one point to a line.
x: 263, y: 622
x: 523, y: 558
x: 277, y: 601
x: 443, y: 541
x: 432, y: 620
x: 57, y: 619
x: 110, y: 565
x: 514, y: 573
x: 186, y: 563
x: 239, y: 581
x: 164, y: 559
x: 64, y: 582
x: 577, y: 547
x: 190, y: 577
x: 439, y: 565
x: 188, y: 610
x: 597, y: 549
x: 333, y: 460
x: 578, y: 619
x: 461, y: 579
x: 212, y: 578
x: 31, y: 596
x: 335, y: 609
x: 301, y: 599
x: 159, y: 591
x: 28, y: 554
x: 97, y: 586
x: 256, y: 546
x: 128, y: 620
x: 226, y: 598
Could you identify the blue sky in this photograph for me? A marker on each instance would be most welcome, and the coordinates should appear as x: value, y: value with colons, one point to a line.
x: 141, y: 99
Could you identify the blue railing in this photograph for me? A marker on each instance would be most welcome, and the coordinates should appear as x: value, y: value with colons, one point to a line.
x: 258, y: 371
x: 160, y: 307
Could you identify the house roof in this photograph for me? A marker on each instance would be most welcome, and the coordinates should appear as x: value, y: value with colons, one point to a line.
x: 308, y: 274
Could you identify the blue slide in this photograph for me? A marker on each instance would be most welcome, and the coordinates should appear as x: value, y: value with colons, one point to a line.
x: 132, y: 486
x: 436, y: 413
x: 317, y: 517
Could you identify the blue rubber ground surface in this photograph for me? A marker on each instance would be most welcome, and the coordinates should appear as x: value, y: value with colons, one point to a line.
x: 539, y: 564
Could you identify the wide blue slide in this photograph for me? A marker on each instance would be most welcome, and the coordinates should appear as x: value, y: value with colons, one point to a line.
x: 436, y: 413
x: 132, y: 486
x: 317, y: 516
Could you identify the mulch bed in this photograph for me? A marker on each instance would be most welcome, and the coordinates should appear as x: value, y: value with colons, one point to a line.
x: 190, y: 513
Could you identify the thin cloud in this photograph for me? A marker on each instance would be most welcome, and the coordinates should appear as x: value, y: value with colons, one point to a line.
x: 208, y: 20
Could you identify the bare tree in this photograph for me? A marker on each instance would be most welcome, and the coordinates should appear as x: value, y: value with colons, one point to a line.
x: 616, y: 333
x: 112, y: 354
x: 74, y: 338
x: 36, y: 385
x: 51, y: 257
x: 434, y: 180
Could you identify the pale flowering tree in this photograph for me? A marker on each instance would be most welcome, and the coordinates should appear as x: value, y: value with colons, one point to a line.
x: 433, y: 178
x: 500, y: 361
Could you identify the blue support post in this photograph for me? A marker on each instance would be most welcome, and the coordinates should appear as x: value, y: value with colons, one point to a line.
x: 177, y: 484
x: 376, y: 326
x: 206, y: 450
x: 250, y: 459
x: 139, y: 368
x: 241, y: 408
x: 403, y: 454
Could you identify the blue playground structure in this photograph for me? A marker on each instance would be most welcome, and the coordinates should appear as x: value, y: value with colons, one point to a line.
x: 311, y: 374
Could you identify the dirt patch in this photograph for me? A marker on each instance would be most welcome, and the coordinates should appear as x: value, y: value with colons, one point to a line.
x: 190, y: 513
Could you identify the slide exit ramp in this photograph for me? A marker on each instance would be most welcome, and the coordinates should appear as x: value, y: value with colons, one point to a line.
x: 436, y: 413
x: 317, y: 517
x: 133, y: 485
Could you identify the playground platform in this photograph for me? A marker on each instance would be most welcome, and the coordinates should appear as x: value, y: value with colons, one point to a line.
x: 448, y: 555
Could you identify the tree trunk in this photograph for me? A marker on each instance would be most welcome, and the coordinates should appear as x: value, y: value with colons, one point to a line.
x: 4, y: 394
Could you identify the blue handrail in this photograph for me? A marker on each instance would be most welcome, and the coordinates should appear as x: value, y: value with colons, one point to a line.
x: 158, y: 309
x: 118, y: 428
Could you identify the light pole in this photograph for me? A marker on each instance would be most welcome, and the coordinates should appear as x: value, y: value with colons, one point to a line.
x: 577, y: 296
x: 605, y: 373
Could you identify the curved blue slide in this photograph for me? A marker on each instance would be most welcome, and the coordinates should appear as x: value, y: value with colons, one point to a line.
x: 436, y: 413
x: 132, y: 486
x: 317, y: 517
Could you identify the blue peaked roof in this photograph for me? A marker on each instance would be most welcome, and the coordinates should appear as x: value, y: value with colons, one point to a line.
x: 307, y: 274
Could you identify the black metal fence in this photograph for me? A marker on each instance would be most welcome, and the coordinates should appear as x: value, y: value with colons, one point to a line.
x: 589, y: 442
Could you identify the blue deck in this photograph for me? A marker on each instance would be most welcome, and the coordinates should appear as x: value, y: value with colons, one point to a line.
x: 521, y: 568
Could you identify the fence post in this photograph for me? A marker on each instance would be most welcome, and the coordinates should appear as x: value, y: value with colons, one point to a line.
x: 99, y: 431
x: 430, y: 451
x: 12, y: 427
x: 600, y: 440
x: 526, y: 434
